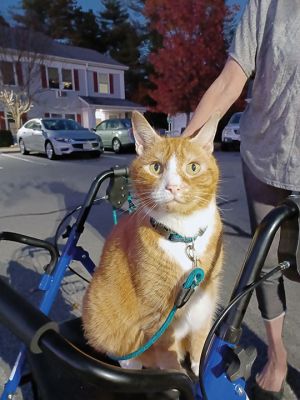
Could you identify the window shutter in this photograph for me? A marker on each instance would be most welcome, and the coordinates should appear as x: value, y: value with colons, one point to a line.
x: 78, y: 117
x: 19, y: 73
x: 95, y: 82
x: 76, y: 79
x: 43, y: 76
x: 111, y: 83
x: 47, y: 115
x: 2, y: 120
x: 24, y: 118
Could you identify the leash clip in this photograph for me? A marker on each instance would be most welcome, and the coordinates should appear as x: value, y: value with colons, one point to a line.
x: 183, y: 296
x: 195, y: 277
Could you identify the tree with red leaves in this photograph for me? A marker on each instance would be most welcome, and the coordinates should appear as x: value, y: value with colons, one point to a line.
x: 192, y: 53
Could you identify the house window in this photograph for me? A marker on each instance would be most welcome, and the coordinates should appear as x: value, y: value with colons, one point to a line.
x: 53, y: 78
x: 8, y: 73
x: 70, y: 116
x: 67, y: 82
x: 104, y: 83
x: 55, y: 115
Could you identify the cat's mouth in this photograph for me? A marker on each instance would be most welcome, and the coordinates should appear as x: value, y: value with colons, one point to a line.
x: 176, y: 200
x: 170, y: 200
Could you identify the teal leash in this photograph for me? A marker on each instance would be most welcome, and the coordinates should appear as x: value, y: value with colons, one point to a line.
x: 195, y: 277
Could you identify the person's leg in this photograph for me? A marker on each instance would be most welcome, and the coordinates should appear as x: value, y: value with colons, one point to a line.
x: 270, y: 294
x: 273, y: 374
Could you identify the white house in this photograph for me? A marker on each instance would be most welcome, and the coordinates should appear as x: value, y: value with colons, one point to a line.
x: 71, y: 82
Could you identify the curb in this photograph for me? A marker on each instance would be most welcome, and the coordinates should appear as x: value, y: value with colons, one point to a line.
x: 11, y: 149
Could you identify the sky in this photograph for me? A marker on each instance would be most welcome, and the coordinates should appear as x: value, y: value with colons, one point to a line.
x: 85, y: 5
x: 5, y: 5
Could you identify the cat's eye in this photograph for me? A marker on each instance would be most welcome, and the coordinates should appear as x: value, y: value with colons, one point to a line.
x: 193, y: 168
x: 156, y: 168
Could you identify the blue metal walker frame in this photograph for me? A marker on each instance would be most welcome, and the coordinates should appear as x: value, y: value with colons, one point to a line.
x: 50, y: 283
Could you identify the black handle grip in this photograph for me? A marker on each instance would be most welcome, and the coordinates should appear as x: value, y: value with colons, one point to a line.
x: 34, y: 242
x: 121, y: 171
x: 22, y: 318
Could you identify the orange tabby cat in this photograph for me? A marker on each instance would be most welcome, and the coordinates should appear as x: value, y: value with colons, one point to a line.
x: 141, y: 270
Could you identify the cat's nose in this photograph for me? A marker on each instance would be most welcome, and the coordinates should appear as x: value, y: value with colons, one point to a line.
x: 173, y: 188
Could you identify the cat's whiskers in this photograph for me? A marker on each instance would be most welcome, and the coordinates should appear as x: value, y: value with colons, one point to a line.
x: 223, y: 198
x: 145, y: 211
x: 144, y: 199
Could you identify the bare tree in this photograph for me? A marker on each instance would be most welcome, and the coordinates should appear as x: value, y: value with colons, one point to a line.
x: 21, y: 58
x: 16, y: 103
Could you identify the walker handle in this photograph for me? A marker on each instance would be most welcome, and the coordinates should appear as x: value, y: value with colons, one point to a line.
x: 34, y: 242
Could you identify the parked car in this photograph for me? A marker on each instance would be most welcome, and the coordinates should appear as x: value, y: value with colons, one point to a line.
x: 231, y: 133
x: 56, y: 137
x: 116, y: 133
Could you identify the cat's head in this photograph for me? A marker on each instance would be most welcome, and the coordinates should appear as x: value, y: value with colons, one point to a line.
x: 177, y: 175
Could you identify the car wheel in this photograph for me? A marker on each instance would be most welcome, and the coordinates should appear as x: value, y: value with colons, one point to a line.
x: 225, y: 146
x: 22, y: 147
x: 237, y: 146
x: 116, y: 145
x: 50, y: 151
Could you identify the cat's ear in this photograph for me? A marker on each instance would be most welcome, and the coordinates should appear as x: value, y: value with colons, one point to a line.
x: 143, y: 133
x: 205, y: 136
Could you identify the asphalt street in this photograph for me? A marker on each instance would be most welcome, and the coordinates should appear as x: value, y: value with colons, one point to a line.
x: 37, y: 193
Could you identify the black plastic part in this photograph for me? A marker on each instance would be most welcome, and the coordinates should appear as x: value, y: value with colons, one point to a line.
x: 22, y: 319
x: 117, y: 191
x: 71, y: 367
x: 289, y: 244
x: 31, y: 241
x: 255, y: 258
x: 231, y: 333
x: 240, y: 362
x: 121, y: 171
x: 86, y: 207
x: 67, y: 232
x: 113, y: 378
x: 34, y: 344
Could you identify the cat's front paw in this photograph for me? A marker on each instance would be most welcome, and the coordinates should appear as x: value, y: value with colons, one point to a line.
x: 195, y: 367
x: 131, y: 364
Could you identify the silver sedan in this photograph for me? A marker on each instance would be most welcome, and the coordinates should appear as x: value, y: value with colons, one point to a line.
x: 56, y: 137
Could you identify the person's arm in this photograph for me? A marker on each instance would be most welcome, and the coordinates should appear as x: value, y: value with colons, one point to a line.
x: 220, y: 96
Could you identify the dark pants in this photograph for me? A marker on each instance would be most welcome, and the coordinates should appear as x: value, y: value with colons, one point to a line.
x: 261, y: 199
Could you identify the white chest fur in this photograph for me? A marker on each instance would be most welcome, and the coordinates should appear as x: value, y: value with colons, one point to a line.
x: 201, y: 306
x: 189, y: 226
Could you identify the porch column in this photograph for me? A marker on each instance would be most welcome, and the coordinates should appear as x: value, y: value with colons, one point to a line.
x: 88, y: 118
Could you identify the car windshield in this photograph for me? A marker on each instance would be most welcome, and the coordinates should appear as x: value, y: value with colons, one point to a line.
x: 127, y: 123
x: 236, y: 118
x: 61, y: 125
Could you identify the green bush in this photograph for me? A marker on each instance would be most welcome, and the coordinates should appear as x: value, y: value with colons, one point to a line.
x: 6, y: 138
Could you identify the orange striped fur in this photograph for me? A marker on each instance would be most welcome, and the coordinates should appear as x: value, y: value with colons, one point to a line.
x: 132, y: 291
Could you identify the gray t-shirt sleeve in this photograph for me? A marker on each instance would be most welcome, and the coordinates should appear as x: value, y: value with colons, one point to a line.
x: 243, y: 48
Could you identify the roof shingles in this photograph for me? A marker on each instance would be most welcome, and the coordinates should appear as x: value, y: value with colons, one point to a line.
x: 36, y: 42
